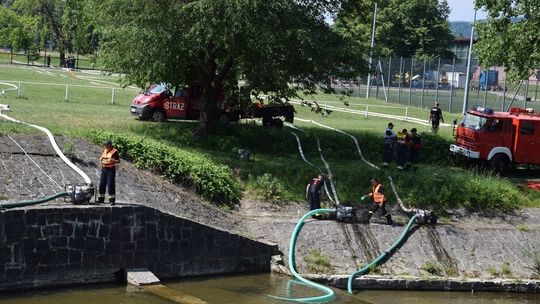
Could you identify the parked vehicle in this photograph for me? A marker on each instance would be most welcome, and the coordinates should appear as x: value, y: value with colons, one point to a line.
x: 159, y: 103
x: 501, y: 139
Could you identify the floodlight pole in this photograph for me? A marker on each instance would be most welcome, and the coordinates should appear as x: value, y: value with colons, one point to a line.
x: 467, y: 80
x: 371, y: 52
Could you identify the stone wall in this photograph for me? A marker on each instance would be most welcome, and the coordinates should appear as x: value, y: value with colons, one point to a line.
x: 55, y: 245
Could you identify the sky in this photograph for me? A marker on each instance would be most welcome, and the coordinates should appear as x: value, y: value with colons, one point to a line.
x: 463, y: 10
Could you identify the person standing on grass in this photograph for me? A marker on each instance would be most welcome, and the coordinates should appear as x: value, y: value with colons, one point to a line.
x: 402, y: 147
x: 109, y: 158
x: 414, y: 153
x: 435, y: 116
x: 389, y: 140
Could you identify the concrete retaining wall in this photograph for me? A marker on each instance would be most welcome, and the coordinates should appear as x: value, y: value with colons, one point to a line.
x: 55, y: 245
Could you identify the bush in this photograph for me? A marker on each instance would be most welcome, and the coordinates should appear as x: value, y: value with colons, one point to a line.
x: 265, y: 186
x: 214, y: 182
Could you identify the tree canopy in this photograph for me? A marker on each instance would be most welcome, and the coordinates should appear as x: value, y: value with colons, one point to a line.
x: 510, y: 36
x: 216, y: 43
x: 413, y: 28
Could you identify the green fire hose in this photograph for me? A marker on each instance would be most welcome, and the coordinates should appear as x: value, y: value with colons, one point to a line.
x: 329, y: 293
x: 378, y: 260
x: 33, y: 202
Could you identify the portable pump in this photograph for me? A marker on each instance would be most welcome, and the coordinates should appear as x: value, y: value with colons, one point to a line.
x: 79, y: 193
x: 425, y: 216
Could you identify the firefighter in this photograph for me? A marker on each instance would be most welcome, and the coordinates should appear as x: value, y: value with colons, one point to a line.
x: 389, y: 140
x: 402, y: 148
x: 414, y: 153
x: 379, y: 200
x: 109, y: 158
x: 435, y: 116
x: 313, y: 190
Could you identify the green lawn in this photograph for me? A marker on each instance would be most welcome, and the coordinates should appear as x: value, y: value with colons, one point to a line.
x: 274, y: 151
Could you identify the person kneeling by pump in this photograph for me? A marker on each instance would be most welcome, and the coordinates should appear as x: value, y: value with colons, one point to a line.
x: 379, y: 200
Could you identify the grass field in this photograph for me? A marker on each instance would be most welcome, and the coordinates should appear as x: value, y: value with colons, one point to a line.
x: 275, y: 163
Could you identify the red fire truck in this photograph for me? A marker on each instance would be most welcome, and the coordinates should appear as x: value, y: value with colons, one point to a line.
x: 501, y: 139
x: 162, y: 102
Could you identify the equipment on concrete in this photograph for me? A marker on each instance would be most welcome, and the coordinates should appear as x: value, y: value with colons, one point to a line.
x: 79, y: 193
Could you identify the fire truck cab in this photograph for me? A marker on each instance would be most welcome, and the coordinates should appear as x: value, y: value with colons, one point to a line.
x: 501, y: 139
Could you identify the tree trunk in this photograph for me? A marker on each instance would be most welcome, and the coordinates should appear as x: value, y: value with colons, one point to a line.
x: 62, y: 58
x: 208, y: 111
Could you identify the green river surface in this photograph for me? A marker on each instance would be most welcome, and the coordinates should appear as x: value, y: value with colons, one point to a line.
x: 252, y: 289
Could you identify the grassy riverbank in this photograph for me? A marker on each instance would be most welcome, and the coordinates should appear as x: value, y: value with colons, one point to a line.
x: 276, y: 171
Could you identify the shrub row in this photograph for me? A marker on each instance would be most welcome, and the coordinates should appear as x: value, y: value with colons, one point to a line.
x: 214, y: 182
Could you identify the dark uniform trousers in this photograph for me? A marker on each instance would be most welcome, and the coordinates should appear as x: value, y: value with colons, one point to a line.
x: 107, y: 181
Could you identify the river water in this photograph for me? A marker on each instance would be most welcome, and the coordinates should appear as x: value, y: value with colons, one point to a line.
x: 252, y: 289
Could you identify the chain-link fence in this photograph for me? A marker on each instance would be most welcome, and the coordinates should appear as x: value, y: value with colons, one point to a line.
x: 419, y: 83
x: 46, y: 59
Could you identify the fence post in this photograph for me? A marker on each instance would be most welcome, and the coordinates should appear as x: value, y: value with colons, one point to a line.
x: 536, y: 90
x: 410, y: 81
x: 423, y: 84
x: 504, y: 90
x: 526, y: 94
x: 406, y: 114
x: 388, y: 78
x: 67, y: 89
x: 19, y: 90
x: 112, y: 97
x: 400, y: 79
x: 367, y: 110
x: 452, y: 83
x: 437, y: 80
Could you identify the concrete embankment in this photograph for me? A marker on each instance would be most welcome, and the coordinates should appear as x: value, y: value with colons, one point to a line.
x: 44, y: 246
x: 464, y: 253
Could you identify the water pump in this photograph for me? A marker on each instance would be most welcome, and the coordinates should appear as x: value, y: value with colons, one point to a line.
x: 425, y: 217
x: 79, y: 193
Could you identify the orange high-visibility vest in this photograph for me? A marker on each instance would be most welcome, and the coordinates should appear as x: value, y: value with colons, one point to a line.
x: 108, y: 155
x: 378, y: 197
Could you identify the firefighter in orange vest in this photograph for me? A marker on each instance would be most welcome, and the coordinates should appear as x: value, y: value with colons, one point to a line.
x: 109, y: 158
x: 379, y: 200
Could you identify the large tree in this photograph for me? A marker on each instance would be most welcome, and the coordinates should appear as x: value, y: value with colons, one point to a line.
x: 216, y: 43
x: 63, y: 24
x: 413, y: 28
x: 14, y: 30
x: 510, y: 36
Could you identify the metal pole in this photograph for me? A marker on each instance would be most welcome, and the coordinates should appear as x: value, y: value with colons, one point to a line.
x: 371, y: 52
x: 45, y: 59
x: 400, y: 79
x: 452, y: 82
x: 467, y: 80
x: 410, y: 81
x: 437, y: 81
x: 526, y: 94
x: 536, y: 90
x: 388, y: 78
x: 486, y: 89
x: 504, y: 90
x: 112, y: 97
x: 19, y: 90
x: 423, y: 84
x: 67, y: 89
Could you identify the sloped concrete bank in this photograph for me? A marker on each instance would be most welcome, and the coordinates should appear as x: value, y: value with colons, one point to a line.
x: 47, y: 246
x: 470, y: 253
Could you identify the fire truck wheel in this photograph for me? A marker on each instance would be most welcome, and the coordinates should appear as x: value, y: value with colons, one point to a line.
x: 500, y: 163
x: 223, y: 119
x: 158, y: 116
x: 278, y: 123
x: 267, y: 122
